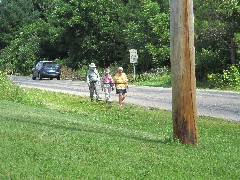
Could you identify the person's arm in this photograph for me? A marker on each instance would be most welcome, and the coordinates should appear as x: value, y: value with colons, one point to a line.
x: 98, y: 77
x: 102, y: 81
x: 114, y: 78
x: 111, y: 82
x: 126, y: 81
x: 87, y: 81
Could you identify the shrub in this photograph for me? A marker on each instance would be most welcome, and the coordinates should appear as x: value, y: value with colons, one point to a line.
x: 159, y: 77
x: 153, y: 74
x: 11, y: 92
x: 7, y: 90
x: 69, y: 73
x: 207, y: 62
x: 229, y: 79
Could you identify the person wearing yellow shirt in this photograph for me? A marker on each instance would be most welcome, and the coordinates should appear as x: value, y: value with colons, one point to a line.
x: 121, y: 82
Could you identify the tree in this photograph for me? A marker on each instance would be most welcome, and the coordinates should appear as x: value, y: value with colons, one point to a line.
x: 217, y: 25
x: 104, y: 31
x: 87, y: 31
x: 147, y: 29
x: 21, y: 55
x: 13, y: 16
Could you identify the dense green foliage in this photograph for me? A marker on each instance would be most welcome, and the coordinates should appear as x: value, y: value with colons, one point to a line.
x: 75, y: 33
x: 228, y: 80
x: 217, y: 26
x: 47, y: 135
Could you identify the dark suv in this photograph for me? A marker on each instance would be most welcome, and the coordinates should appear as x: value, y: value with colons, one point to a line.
x: 46, y: 69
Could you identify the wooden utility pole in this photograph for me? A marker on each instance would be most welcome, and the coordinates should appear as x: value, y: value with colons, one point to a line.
x: 182, y: 55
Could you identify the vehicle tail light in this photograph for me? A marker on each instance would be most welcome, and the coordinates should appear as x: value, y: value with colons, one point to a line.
x: 59, y: 67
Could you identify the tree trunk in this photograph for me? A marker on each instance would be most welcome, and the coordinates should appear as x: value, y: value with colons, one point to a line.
x: 182, y: 55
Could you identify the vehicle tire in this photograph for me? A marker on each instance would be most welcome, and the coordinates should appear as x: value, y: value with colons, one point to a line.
x: 58, y: 78
x: 33, y: 77
x: 51, y: 78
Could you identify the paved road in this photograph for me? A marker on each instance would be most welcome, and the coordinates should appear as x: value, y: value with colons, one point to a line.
x: 220, y: 104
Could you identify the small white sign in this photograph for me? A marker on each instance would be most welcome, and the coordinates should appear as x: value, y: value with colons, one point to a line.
x: 133, y: 56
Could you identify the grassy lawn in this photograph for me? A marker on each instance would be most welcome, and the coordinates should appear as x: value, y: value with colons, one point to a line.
x: 155, y: 81
x: 67, y: 137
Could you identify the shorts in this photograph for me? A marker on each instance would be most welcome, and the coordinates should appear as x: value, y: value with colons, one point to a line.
x: 123, y: 91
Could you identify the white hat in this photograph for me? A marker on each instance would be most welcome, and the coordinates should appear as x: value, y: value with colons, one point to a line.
x: 92, y: 65
x: 120, y: 68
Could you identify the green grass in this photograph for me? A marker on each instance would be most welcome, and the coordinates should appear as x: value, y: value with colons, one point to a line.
x: 155, y: 81
x: 67, y: 137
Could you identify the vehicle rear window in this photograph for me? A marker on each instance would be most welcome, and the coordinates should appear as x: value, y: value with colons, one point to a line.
x: 49, y: 64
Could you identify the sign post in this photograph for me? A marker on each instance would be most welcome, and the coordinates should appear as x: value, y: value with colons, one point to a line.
x: 133, y: 60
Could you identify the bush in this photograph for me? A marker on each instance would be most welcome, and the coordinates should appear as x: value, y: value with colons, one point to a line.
x: 7, y: 90
x: 11, y: 92
x: 229, y: 79
x: 159, y: 77
x: 69, y: 73
x: 153, y: 74
x: 207, y: 62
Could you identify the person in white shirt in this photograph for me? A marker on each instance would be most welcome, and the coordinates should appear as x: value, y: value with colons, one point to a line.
x: 93, y: 81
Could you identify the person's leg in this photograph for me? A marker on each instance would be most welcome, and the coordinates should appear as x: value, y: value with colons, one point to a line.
x: 107, y: 92
x: 96, y: 91
x: 120, y: 99
x: 123, y: 96
x: 91, y: 89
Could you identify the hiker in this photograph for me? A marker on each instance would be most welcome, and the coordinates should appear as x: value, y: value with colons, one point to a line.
x: 93, y: 81
x: 121, y: 82
x: 107, y: 84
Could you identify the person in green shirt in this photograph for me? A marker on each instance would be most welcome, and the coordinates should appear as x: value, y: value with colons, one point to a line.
x: 93, y: 81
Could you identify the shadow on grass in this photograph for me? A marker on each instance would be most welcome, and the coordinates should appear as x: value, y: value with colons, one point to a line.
x: 101, y: 130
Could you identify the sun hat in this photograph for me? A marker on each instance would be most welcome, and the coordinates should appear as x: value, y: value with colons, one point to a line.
x: 92, y: 65
x: 120, y: 68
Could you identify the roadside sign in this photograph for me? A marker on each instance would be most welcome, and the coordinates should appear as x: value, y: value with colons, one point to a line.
x: 133, y: 60
x: 133, y: 56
